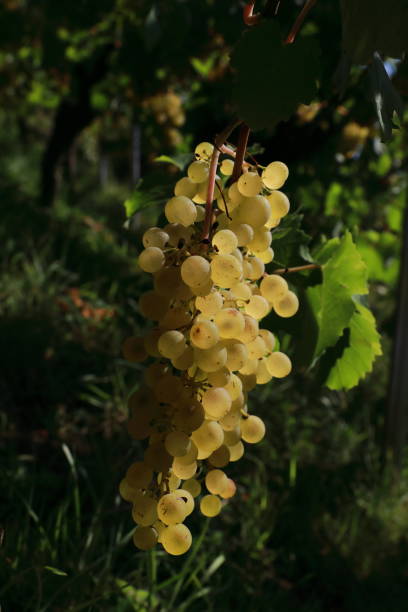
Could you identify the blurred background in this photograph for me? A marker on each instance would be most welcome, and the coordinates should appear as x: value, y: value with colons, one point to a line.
x: 92, y: 93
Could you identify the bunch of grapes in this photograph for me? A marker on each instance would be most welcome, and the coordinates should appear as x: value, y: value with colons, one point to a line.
x: 205, y: 349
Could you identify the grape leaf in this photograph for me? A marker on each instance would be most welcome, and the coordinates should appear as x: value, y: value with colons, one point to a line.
x: 289, y: 241
x: 374, y: 25
x: 357, y: 358
x: 387, y: 100
x: 143, y: 198
x: 344, y: 275
x: 271, y: 78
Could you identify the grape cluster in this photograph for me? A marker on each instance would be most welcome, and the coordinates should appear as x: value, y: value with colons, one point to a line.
x: 205, y: 348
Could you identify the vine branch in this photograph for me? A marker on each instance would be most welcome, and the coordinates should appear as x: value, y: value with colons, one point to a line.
x: 249, y: 18
x: 297, y: 269
x: 299, y: 21
x: 219, y: 141
x: 240, y: 152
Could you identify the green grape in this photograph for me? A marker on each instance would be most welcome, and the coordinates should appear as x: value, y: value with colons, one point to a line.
x: 190, y: 456
x: 171, y: 344
x: 250, y: 184
x: 198, y: 171
x: 225, y: 241
x: 266, y: 256
x: 184, y: 470
x: 187, y: 498
x: 210, y: 505
x: 236, y: 451
x: 279, y: 203
x: 286, y: 306
x: 193, y: 486
x: 204, y: 334
x: 275, y: 174
x: 231, y: 437
x: 234, y: 387
x: 220, y: 378
x: 237, y: 355
x: 144, y: 510
x: 254, y: 211
x: 139, y: 475
x: 263, y: 375
x: 216, y: 402
x: 220, y: 457
x: 243, y: 232
x: 279, y: 364
x: 145, y: 538
x: 210, y: 303
x: 226, y: 270
x: 230, y: 322
x: 151, y: 259
x: 126, y: 490
x: 250, y: 331
x: 195, y: 271
x: 261, y: 240
x: 273, y: 287
x: 204, y: 150
x: 235, y: 195
x: 177, y: 443
x: 208, y: 437
x: 252, y: 429
x: 268, y: 338
x: 180, y: 209
x: 215, y: 481
x: 229, y: 490
x: 171, y: 509
x: 155, y: 237
x: 211, y: 360
x: 133, y: 349
x: 257, y: 307
x: 185, y: 187
x: 185, y: 360
x: 176, y: 539
x: 227, y: 166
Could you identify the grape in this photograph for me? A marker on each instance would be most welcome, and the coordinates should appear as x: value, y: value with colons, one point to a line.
x: 195, y: 271
x: 200, y: 214
x: 133, y: 349
x: 279, y: 203
x: 273, y: 287
x: 144, y: 510
x: 192, y: 486
x: 187, y: 498
x: 185, y: 187
x: 204, y: 334
x: 261, y: 240
x: 151, y: 343
x: 176, y: 539
x: 230, y: 323
x: 151, y: 259
x: 210, y: 505
x: 180, y: 209
x: 171, y: 509
x: 275, y: 174
x: 225, y: 241
x: 209, y: 304
x: 185, y: 360
x: 220, y: 457
x: 184, y: 470
x: 268, y: 338
x: 266, y: 256
x: 206, y: 346
x: 252, y: 429
x: 208, y: 437
x: 236, y: 451
x: 235, y: 195
x: 204, y: 150
x: 139, y: 475
x: 229, y: 489
x: 153, y: 306
x: 145, y: 538
x: 226, y: 270
x: 172, y: 344
x: 227, y: 166
x: 155, y: 237
x: 243, y: 232
x: 263, y: 375
x: 215, y: 481
x: 257, y: 307
x: 279, y: 364
x: 198, y: 171
x: 211, y: 360
x: 220, y: 378
x: 177, y: 443
x: 216, y: 402
x: 126, y: 491
x: 250, y: 184
x: 250, y: 331
x: 287, y: 306
x: 254, y: 211
x: 237, y: 355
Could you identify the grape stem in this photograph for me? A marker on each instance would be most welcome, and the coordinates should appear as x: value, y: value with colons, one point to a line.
x: 240, y: 152
x: 219, y: 141
x: 299, y: 21
x: 297, y: 269
x: 249, y: 18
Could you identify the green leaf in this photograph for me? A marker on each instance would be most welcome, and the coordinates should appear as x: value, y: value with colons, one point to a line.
x: 143, y: 198
x: 374, y: 25
x: 271, y: 78
x: 55, y: 570
x: 139, y: 598
x: 344, y: 275
x: 289, y: 241
x: 180, y: 161
x: 358, y: 358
